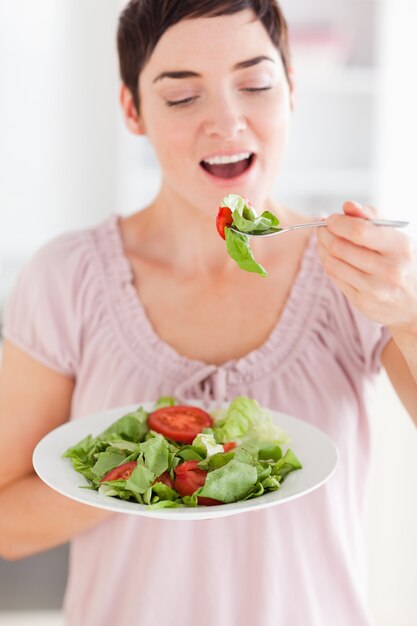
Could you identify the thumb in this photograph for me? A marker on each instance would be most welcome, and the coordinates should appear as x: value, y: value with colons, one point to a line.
x: 355, y: 209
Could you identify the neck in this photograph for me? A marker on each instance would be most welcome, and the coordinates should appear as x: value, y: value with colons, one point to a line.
x: 173, y: 233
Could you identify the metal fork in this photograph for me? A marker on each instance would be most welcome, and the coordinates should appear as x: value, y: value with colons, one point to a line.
x: 279, y: 231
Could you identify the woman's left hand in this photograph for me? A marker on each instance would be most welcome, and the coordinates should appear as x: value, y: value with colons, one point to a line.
x: 374, y: 266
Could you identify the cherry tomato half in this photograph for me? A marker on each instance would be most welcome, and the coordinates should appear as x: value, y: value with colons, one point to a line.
x: 229, y: 446
x: 180, y: 423
x: 188, y: 478
x: 166, y: 479
x: 224, y: 218
x: 121, y: 472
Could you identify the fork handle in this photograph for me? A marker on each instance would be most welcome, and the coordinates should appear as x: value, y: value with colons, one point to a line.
x: 393, y: 223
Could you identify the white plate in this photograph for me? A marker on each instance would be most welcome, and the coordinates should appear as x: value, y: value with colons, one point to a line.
x: 316, y: 452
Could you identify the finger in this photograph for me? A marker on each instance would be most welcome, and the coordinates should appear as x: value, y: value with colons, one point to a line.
x: 337, y: 269
x: 368, y: 261
x: 350, y: 292
x: 363, y: 233
x: 355, y: 209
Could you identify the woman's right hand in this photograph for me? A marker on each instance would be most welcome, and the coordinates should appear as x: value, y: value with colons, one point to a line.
x: 33, y: 401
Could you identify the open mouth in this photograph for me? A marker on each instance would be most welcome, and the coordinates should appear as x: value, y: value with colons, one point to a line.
x: 228, y: 166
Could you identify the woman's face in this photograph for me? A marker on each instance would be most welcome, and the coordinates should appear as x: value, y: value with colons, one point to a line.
x: 215, y: 104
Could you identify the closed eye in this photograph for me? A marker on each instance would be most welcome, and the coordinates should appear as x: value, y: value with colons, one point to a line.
x: 184, y: 101
x: 255, y: 89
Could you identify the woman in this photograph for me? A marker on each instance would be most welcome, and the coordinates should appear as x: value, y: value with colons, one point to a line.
x: 151, y: 305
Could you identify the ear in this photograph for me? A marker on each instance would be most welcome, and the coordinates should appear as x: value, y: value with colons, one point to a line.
x: 133, y: 120
x: 291, y: 81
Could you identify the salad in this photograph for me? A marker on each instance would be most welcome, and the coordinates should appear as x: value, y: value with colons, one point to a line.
x: 237, y: 212
x: 181, y: 455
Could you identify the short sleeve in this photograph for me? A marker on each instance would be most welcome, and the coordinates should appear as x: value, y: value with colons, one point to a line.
x: 372, y: 339
x: 361, y: 340
x: 42, y: 313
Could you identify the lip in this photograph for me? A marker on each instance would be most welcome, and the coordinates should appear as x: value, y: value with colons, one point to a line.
x: 233, y: 152
x: 226, y: 182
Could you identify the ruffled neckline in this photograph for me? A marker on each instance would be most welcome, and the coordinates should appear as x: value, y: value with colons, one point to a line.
x: 282, y: 345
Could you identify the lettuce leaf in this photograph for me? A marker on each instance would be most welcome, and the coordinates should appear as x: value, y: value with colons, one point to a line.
x: 140, y: 479
x: 206, y: 445
x: 156, y: 455
x: 245, y: 422
x: 107, y: 460
x: 132, y: 427
x: 239, y: 249
x: 165, y: 401
x: 229, y: 483
x: 246, y: 220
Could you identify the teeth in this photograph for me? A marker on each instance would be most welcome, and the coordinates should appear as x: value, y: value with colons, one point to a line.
x: 223, y: 160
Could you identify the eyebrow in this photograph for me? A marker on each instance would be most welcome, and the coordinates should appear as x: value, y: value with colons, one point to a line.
x: 189, y: 74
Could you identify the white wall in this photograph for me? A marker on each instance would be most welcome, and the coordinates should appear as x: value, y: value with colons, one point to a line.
x: 392, y: 506
x: 391, y: 520
x: 58, y: 148
x: 395, y: 146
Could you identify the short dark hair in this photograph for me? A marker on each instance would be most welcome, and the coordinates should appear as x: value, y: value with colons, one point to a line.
x: 143, y: 22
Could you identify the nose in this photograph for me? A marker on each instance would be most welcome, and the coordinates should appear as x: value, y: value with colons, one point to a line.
x: 225, y: 121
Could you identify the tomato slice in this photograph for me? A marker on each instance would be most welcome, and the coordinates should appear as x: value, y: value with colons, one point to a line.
x: 224, y: 218
x: 166, y: 479
x: 121, y: 472
x: 180, y: 423
x: 229, y: 446
x: 188, y: 478
x: 208, y: 501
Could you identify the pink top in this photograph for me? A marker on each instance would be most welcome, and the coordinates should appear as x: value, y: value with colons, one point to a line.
x: 75, y: 309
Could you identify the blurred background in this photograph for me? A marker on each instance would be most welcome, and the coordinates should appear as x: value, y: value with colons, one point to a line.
x: 67, y: 162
